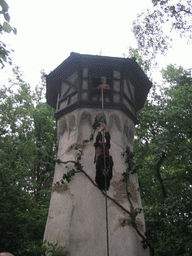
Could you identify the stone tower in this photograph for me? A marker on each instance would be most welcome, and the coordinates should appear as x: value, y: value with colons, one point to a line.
x: 76, y: 219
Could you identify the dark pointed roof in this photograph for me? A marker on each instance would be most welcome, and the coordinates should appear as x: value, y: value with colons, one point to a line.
x: 75, y: 60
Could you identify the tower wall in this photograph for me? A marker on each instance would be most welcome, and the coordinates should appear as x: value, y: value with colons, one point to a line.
x: 77, y: 218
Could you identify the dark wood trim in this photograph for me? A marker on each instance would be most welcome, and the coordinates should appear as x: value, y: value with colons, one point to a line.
x: 116, y: 79
x: 67, y: 96
x: 69, y: 83
x: 121, y: 86
x: 80, y: 74
x: 66, y: 110
x: 106, y: 92
x: 85, y: 104
x: 84, y: 90
x: 129, y: 89
x: 130, y: 114
x: 127, y: 98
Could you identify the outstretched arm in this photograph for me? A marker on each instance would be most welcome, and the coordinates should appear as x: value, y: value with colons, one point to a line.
x: 103, y: 127
x: 107, y: 135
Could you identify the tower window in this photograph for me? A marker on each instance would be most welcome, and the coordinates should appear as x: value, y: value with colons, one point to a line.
x: 96, y: 76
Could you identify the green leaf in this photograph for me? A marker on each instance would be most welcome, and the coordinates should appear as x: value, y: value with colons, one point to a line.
x: 6, y: 16
x: 4, y: 5
x: 7, y: 27
x: 15, y: 31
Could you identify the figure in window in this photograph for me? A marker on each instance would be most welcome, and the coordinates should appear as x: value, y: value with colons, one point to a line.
x: 103, y: 84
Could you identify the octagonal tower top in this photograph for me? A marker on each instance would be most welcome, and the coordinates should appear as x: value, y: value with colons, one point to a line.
x: 74, y: 84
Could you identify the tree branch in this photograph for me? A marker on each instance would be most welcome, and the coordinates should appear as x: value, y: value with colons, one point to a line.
x: 158, y: 166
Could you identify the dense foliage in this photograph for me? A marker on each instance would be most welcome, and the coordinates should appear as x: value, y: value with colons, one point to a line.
x: 27, y: 145
x: 163, y: 146
x: 163, y: 150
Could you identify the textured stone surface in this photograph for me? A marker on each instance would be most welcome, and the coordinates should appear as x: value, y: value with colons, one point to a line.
x: 76, y: 219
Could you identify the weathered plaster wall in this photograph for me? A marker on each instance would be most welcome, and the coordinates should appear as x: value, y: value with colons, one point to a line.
x: 76, y: 219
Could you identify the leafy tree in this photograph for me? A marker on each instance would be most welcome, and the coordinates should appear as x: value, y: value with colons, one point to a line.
x: 155, y: 28
x: 28, y: 144
x: 135, y: 53
x: 177, y: 76
x: 163, y: 150
x: 5, y: 27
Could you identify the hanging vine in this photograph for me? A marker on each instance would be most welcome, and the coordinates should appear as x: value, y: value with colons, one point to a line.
x: 130, y: 170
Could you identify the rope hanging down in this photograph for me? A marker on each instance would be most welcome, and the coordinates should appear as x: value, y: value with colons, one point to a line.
x: 105, y: 174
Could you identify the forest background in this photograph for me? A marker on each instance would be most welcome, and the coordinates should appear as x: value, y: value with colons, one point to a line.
x: 163, y: 141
